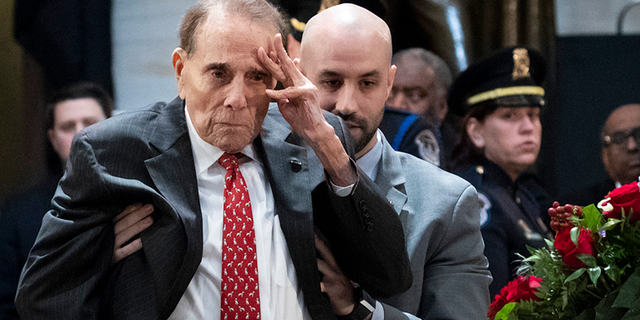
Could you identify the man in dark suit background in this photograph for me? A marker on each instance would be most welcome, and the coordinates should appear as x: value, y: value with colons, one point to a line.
x: 420, y: 86
x: 167, y: 156
x: 68, y: 111
x: 620, y: 140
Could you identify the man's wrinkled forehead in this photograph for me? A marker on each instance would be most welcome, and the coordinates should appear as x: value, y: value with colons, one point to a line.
x: 248, y: 38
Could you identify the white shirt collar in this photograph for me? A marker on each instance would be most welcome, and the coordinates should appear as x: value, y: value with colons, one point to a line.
x: 369, y: 162
x: 205, y: 154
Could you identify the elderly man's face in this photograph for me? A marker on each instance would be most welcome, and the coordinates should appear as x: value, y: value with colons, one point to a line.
x: 622, y: 158
x: 223, y: 83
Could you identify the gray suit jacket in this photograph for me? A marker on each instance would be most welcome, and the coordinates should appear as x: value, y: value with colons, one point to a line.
x: 440, y: 215
x: 145, y: 156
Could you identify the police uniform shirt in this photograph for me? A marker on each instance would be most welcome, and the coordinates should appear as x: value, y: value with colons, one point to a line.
x: 510, y: 219
x: 408, y: 133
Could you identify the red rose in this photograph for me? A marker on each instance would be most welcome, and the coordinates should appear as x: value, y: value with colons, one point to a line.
x: 626, y: 197
x: 519, y: 289
x: 569, y: 250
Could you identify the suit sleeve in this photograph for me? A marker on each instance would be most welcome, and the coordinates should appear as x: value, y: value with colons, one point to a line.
x: 456, y: 279
x: 74, y: 248
x: 365, y: 233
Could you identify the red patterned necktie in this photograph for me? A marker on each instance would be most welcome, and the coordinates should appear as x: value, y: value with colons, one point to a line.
x: 240, y: 295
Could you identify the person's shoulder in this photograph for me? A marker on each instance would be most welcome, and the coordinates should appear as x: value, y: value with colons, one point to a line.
x: 409, y: 133
x: 143, y: 122
x: 425, y: 172
x: 144, y: 114
x: 398, y: 125
x: 473, y: 174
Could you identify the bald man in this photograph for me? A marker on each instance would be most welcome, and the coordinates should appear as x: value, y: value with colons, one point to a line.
x: 346, y: 52
x: 620, y: 140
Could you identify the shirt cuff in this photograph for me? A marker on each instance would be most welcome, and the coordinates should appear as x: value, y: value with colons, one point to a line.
x: 378, y: 313
x: 342, y: 191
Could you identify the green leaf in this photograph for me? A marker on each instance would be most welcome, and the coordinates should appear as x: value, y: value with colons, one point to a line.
x: 633, y: 313
x: 611, y: 223
x: 594, y: 274
x: 592, y: 217
x: 503, y: 314
x: 575, y: 234
x: 531, y: 250
x: 549, y: 243
x: 604, y: 310
x: 613, y: 272
x: 575, y: 275
x: 588, y: 259
x: 586, y: 314
x: 629, y: 292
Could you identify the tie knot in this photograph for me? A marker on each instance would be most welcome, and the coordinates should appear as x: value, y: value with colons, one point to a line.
x: 230, y: 161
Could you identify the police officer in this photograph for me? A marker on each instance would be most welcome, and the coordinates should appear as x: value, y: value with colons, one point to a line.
x: 500, y: 99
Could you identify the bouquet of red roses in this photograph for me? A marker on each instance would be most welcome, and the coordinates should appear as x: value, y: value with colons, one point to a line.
x: 590, y: 271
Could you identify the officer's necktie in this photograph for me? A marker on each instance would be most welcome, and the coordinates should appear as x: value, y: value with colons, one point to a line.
x: 240, y: 295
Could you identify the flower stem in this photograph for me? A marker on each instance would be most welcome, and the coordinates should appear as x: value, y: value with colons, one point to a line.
x: 606, y: 285
x: 593, y: 294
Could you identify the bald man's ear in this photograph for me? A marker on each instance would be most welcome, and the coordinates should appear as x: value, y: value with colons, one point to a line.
x: 293, y: 47
x: 296, y: 62
x: 392, y: 76
x: 179, y: 57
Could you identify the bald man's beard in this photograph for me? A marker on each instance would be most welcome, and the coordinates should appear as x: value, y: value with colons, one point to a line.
x: 368, y: 127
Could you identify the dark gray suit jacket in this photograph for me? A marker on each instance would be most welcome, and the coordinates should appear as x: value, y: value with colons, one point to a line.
x: 145, y: 156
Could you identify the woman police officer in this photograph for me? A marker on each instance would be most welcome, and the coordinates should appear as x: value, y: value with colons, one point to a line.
x: 500, y: 100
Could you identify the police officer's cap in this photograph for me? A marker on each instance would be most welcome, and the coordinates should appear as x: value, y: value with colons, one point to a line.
x: 508, y: 78
x: 300, y: 11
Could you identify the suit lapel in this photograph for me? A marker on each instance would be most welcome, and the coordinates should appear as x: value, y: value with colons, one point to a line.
x: 177, y: 242
x: 391, y: 179
x: 282, y: 153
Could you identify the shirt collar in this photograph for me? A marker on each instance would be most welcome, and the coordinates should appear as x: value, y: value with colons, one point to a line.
x: 205, y: 154
x: 369, y: 162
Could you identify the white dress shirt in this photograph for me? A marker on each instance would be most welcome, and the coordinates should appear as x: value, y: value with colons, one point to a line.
x: 280, y: 297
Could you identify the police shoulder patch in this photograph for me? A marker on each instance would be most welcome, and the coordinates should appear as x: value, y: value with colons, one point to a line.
x: 428, y: 147
x: 485, y: 205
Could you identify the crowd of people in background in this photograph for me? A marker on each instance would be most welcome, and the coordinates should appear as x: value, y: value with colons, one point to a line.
x: 377, y: 185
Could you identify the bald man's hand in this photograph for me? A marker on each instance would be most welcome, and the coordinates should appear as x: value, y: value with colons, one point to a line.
x: 298, y: 103
x: 334, y: 283
x: 128, y: 224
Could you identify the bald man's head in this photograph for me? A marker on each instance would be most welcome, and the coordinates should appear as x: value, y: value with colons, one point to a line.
x: 346, y: 52
x: 344, y: 23
x: 620, y: 147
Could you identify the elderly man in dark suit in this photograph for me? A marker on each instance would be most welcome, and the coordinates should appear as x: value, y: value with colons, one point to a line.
x: 202, y: 161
